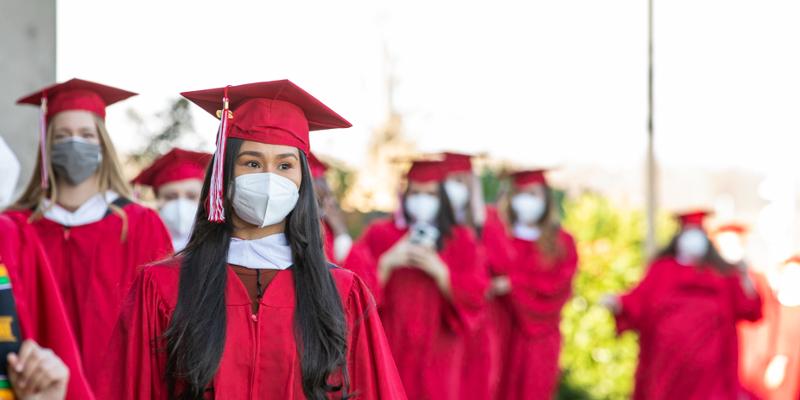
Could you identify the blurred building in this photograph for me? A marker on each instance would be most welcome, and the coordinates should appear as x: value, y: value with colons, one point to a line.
x: 27, y: 62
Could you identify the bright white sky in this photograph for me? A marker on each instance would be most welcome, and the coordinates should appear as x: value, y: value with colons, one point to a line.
x: 536, y: 82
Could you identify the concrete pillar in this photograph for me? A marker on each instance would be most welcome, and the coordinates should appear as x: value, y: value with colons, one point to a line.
x: 27, y: 62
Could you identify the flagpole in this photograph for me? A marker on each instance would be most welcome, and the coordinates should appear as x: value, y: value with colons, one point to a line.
x: 651, y: 182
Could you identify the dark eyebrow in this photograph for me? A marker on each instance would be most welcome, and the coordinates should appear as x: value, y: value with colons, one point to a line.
x: 250, y: 153
x: 287, y: 155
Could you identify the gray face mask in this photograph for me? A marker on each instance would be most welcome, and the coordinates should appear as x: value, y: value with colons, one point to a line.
x: 75, y: 159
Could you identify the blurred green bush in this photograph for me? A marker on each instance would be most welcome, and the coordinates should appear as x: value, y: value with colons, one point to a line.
x: 596, y: 363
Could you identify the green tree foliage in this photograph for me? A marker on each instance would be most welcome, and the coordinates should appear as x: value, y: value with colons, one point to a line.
x: 175, y: 121
x: 598, y: 364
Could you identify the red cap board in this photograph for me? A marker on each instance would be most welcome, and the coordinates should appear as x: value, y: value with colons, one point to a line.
x: 274, y: 112
x: 737, y: 228
x: 693, y: 218
x: 317, y: 167
x: 427, y: 171
x: 457, y: 162
x: 74, y: 94
x: 529, y: 177
x: 795, y: 259
x: 176, y: 165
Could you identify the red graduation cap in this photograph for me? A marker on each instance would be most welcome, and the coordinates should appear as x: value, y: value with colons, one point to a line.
x: 457, y: 162
x: 529, y: 177
x: 274, y: 112
x: 176, y: 165
x: 427, y: 171
x: 795, y: 259
x: 693, y: 218
x: 74, y: 94
x: 317, y: 167
x: 739, y: 229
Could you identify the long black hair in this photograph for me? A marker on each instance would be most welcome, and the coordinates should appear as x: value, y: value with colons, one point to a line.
x: 445, y: 218
x: 196, y: 334
x: 712, y: 258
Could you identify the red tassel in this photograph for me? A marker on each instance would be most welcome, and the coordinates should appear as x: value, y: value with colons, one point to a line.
x: 43, y: 141
x: 216, y: 207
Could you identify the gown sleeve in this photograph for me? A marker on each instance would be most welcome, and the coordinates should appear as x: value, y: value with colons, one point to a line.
x: 539, y: 293
x: 151, y: 238
x: 365, y: 255
x: 634, y: 303
x: 745, y: 307
x: 360, y: 261
x: 42, y: 315
x: 136, y: 356
x: 371, y: 367
x: 499, y: 250
x: 468, y: 282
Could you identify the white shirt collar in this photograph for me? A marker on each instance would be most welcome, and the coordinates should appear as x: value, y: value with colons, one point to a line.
x: 92, y: 210
x: 269, y: 252
x: 525, y: 232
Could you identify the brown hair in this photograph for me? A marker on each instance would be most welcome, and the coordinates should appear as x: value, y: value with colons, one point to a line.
x: 110, y: 178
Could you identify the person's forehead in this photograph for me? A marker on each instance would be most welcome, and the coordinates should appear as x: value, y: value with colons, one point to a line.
x: 180, y: 186
x: 73, y: 118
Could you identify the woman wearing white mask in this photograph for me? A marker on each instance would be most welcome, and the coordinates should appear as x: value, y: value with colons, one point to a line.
x: 538, y: 284
x: 685, y: 310
x: 431, y: 285
x: 251, y: 308
x: 177, y: 179
x: 77, y: 201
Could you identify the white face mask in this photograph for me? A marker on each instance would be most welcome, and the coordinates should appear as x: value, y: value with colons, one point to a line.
x: 178, y: 215
x: 528, y: 208
x: 422, y: 207
x: 264, y: 199
x: 457, y: 193
x: 692, y: 243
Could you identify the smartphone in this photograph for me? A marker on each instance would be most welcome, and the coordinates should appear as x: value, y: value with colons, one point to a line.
x: 424, y: 235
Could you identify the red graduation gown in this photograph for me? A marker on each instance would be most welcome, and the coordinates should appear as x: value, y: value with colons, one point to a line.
x: 539, y: 289
x: 94, y: 268
x: 425, y: 329
x: 39, y: 308
x: 260, y: 359
x: 686, y: 318
x: 357, y: 260
x: 500, y: 261
x: 787, y: 342
x: 480, y: 374
x: 756, y: 340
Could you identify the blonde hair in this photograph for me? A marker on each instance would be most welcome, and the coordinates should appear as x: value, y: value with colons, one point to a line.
x: 109, y: 178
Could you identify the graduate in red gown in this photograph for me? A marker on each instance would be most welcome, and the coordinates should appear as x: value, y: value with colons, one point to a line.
x: 481, y: 365
x: 176, y: 179
x: 755, y: 341
x: 685, y: 311
x: 42, y: 320
x: 540, y: 281
x: 339, y: 247
x: 79, y: 205
x: 431, y: 284
x: 251, y: 309
x: 781, y: 370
